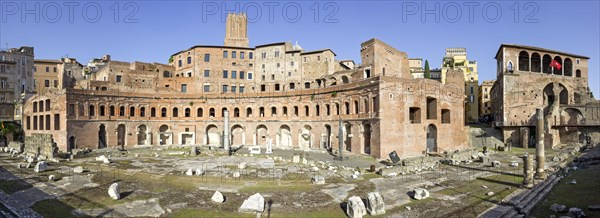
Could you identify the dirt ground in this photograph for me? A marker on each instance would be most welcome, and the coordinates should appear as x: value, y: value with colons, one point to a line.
x: 153, y: 184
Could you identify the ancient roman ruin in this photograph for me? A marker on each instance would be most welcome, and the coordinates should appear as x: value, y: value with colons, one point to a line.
x: 276, y: 131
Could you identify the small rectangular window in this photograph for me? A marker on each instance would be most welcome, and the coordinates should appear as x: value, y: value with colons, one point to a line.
x: 225, y: 74
x: 250, y: 55
x: 233, y: 74
x: 241, y: 74
x: 224, y: 54
x: 249, y: 75
x: 184, y: 88
x: 206, y: 88
x: 233, y: 54
x: 206, y: 57
x: 206, y: 73
x: 47, y: 69
x: 241, y: 89
x: 119, y: 78
x: 242, y: 55
x: 46, y: 83
x: 225, y: 88
x: 233, y: 89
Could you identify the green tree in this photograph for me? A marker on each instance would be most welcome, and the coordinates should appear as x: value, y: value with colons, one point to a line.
x: 7, y: 128
x: 427, y: 70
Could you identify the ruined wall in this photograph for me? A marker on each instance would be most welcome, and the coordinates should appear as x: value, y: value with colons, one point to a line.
x: 40, y: 145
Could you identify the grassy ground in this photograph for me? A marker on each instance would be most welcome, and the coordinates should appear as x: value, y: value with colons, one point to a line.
x: 53, y: 208
x: 586, y: 192
x: 473, y: 196
x: 12, y: 186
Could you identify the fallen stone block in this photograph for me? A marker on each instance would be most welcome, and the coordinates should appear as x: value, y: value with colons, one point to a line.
x: 218, y: 197
x: 113, y: 191
x: 355, y: 208
x: 420, y: 193
x: 254, y: 204
x: 375, y: 204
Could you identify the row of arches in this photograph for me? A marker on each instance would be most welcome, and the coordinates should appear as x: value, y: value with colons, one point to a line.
x: 541, y: 64
x: 327, y: 109
x: 282, y: 136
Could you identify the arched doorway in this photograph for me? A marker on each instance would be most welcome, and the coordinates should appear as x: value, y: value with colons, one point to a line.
x: 213, y: 136
x: 164, y: 135
x: 431, y: 138
x: 142, y: 135
x: 101, y: 137
x: 237, y: 136
x: 72, y: 144
x: 305, y: 137
x: 121, y: 136
x: 367, y: 136
x: 348, y: 136
x: 261, y: 135
x: 326, y: 138
x: 285, y: 138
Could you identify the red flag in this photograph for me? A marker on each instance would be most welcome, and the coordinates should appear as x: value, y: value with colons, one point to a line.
x: 555, y: 64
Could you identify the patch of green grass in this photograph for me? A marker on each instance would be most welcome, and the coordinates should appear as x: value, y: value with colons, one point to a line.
x: 580, y: 195
x: 474, y: 198
x: 12, y: 186
x: 53, y: 208
x: 188, y: 212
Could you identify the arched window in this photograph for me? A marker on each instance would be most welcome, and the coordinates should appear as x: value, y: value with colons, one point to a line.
x: 536, y: 63
x: 356, y: 107
x: 112, y: 110
x: 175, y: 112
x: 306, y: 111
x: 578, y: 73
x: 557, y: 71
x: 91, y: 112
x: 546, y: 64
x: 568, y: 67
x: 273, y: 111
x: 285, y: 112
x: 132, y: 111
x: 347, y: 105
x: 122, y: 111
x: 261, y: 112
x: 236, y: 112
x: 187, y: 112
x: 523, y: 61
x: 142, y: 112
x: 199, y: 112
x: 318, y: 110
x: 163, y: 112
x: 296, y: 112
x: 102, y: 111
x: 189, y: 60
x: 248, y: 112
x: 153, y: 112
x: 223, y: 111
x: 327, y: 110
x: 509, y: 67
x: 211, y: 112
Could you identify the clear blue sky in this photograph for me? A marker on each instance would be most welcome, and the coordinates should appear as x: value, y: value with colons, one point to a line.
x: 160, y: 28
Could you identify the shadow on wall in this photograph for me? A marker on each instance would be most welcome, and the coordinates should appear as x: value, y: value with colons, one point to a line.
x: 485, y: 136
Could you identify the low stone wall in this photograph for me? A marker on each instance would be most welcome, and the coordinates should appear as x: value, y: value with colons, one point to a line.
x: 40, y: 145
x: 16, y: 146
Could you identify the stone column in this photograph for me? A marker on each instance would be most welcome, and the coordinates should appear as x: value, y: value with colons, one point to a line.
x: 539, y: 147
x: 341, y: 140
x: 528, y: 171
x: 226, y: 130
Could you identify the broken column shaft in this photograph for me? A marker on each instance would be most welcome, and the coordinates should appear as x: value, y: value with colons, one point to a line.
x: 226, y: 130
x: 528, y: 171
x: 539, y: 147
